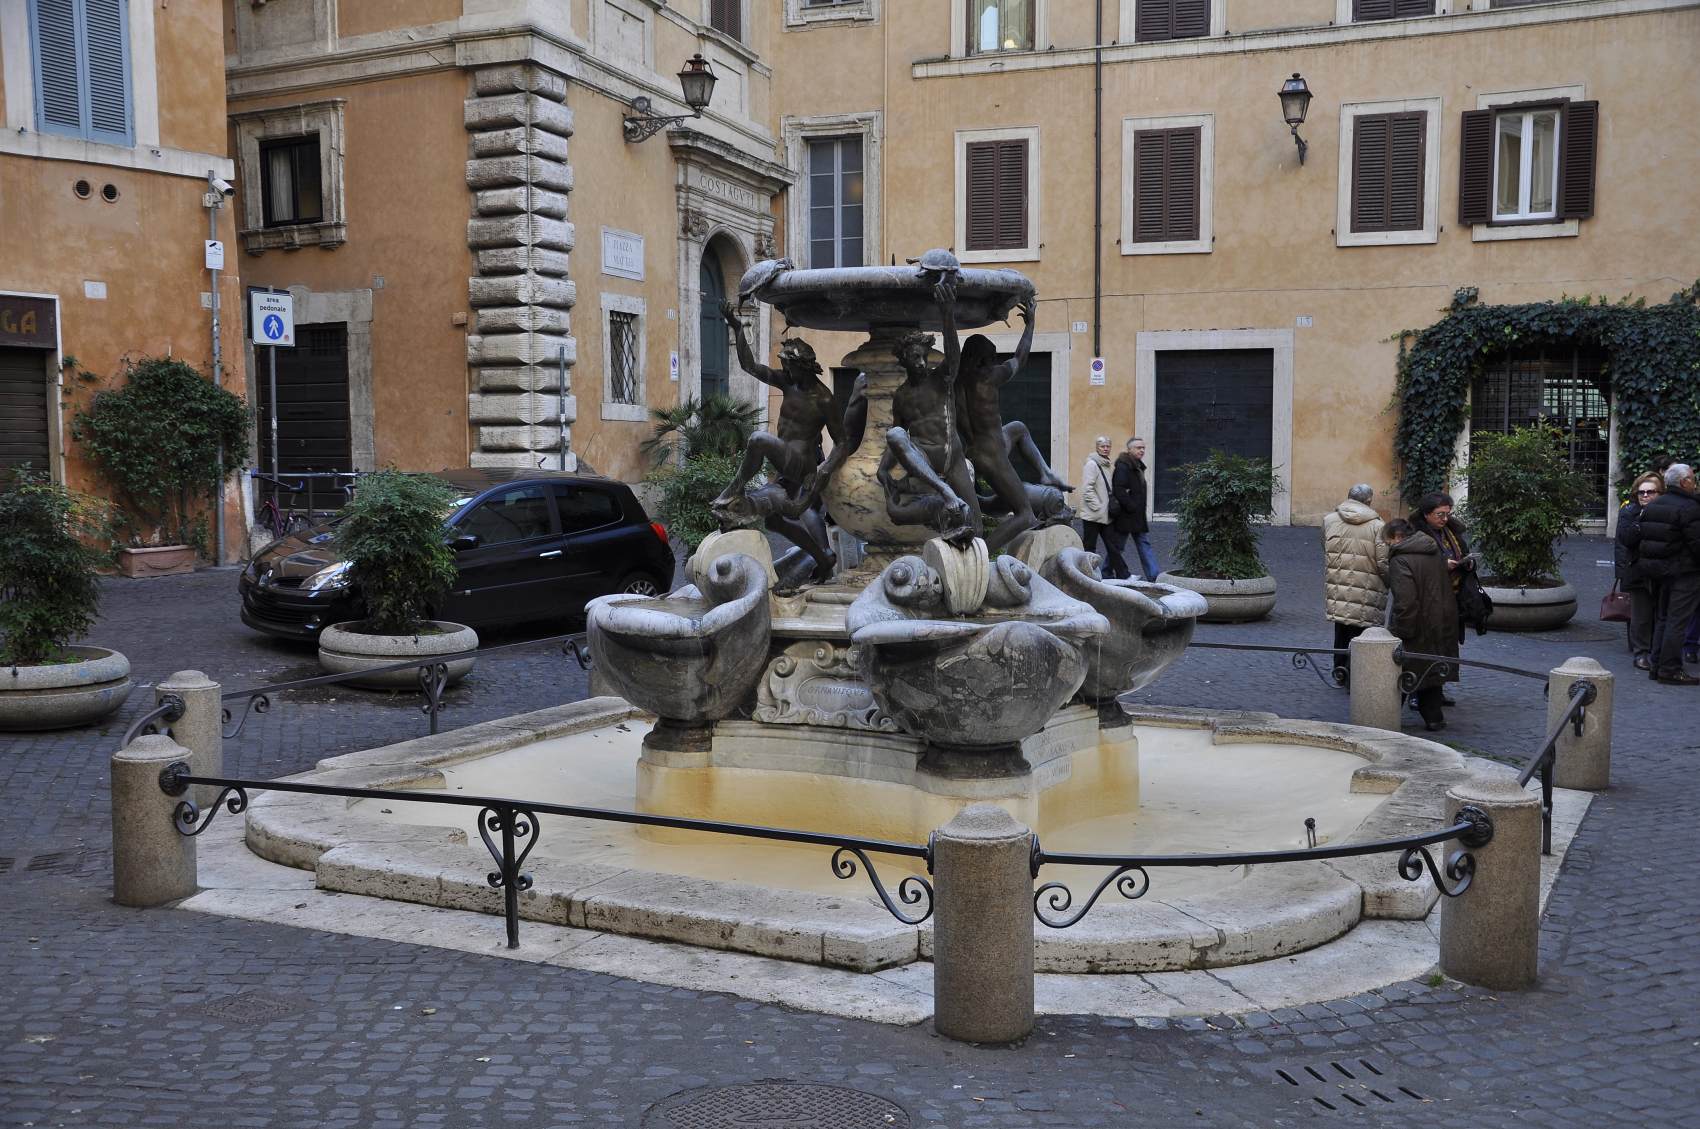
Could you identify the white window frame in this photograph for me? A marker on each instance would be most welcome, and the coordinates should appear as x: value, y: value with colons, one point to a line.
x: 1028, y: 252
x: 800, y: 17
x: 252, y: 128
x: 959, y: 31
x: 1344, y: 236
x: 625, y: 304
x: 1525, y: 164
x: 1206, y: 240
x: 1557, y: 229
x: 1218, y: 21
x: 796, y: 134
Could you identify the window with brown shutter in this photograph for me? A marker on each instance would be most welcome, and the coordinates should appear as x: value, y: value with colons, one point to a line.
x: 1158, y: 20
x: 727, y: 16
x: 1528, y: 163
x: 1363, y: 10
x: 1387, y: 171
x: 1166, y: 178
x: 996, y: 195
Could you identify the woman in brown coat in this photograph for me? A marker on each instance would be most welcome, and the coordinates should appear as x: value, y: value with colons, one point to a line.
x: 1425, y: 613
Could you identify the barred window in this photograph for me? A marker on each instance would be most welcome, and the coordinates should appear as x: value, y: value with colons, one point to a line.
x: 623, y: 357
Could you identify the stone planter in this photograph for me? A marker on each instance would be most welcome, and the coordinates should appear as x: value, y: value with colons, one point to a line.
x: 62, y: 695
x: 1228, y: 601
x: 342, y: 650
x: 156, y: 560
x: 1535, y: 608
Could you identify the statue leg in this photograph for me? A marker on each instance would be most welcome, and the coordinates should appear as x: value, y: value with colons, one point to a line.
x: 996, y: 468
x: 760, y: 448
x: 952, y: 514
x: 808, y: 533
x: 1016, y: 437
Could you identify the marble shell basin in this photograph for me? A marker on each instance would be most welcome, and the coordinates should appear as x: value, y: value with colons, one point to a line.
x: 980, y: 681
x: 859, y: 298
x: 693, y: 656
x: 1150, y: 624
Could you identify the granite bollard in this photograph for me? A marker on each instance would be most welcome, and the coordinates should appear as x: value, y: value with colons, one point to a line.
x: 983, y: 932
x: 151, y: 863
x: 200, y: 729
x: 1490, y: 935
x: 1377, y: 701
x: 1581, y: 761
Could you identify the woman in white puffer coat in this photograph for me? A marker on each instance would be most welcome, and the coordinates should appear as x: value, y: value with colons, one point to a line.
x: 1354, y: 585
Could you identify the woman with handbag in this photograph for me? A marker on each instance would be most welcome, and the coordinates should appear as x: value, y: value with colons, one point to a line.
x: 1628, y: 576
x: 1423, y: 614
x: 1098, y: 510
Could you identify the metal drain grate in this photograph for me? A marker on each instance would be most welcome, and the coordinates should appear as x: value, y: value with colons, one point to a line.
x: 1347, y: 1084
x: 776, y: 1105
x: 69, y: 861
x: 249, y: 1007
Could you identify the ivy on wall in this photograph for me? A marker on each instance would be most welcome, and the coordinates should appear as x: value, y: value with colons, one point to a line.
x: 1652, y: 356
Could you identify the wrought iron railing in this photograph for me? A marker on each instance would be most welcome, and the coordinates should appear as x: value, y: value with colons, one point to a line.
x: 1582, y: 695
x: 515, y: 821
x: 433, y: 678
x: 1302, y: 657
x: 1129, y: 873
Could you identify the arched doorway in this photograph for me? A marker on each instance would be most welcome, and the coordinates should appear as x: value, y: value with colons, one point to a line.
x: 716, y: 340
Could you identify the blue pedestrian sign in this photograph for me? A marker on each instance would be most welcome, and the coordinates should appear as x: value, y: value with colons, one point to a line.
x: 273, y: 317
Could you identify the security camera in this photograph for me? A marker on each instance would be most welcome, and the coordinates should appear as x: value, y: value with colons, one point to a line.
x: 224, y: 187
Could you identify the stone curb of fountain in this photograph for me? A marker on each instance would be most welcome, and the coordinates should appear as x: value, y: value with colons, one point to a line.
x: 1370, y: 958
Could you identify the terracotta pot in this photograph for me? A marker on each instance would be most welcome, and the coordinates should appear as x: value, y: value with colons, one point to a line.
x: 61, y: 695
x: 1229, y: 601
x: 342, y: 649
x: 156, y: 560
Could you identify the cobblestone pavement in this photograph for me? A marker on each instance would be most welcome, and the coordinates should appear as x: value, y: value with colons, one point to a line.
x: 122, y: 1017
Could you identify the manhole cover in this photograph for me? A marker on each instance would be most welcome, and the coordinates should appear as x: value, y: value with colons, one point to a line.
x: 1346, y: 1084
x: 776, y: 1105
x: 249, y: 1007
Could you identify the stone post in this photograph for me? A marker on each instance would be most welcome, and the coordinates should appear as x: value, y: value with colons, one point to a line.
x: 1585, y: 761
x: 1377, y: 700
x: 1490, y: 935
x: 983, y: 927
x: 151, y: 863
x: 200, y: 729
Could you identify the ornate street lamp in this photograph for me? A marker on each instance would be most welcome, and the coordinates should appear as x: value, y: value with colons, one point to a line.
x: 1295, y: 101
x: 696, y: 79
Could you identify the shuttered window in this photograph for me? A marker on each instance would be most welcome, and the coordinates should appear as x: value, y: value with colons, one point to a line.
x: 1390, y: 9
x: 727, y: 16
x: 1166, y: 176
x: 80, y: 54
x: 1528, y: 163
x: 1387, y: 171
x: 996, y: 195
x: 1157, y: 20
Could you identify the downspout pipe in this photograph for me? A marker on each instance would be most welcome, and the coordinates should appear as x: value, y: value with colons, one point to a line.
x: 214, y: 200
x: 1098, y: 179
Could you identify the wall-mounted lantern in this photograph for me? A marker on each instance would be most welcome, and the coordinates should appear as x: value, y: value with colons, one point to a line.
x: 696, y: 79
x: 1295, y: 101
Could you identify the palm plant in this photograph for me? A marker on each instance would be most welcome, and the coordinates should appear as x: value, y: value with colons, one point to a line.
x: 716, y: 425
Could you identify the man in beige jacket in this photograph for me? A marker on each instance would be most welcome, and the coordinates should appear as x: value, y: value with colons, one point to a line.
x: 1355, y: 585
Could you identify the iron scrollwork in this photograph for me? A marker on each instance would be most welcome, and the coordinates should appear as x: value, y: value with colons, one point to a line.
x: 912, y: 891
x: 1333, y: 676
x: 1131, y: 882
x: 573, y: 648
x: 169, y: 709
x: 512, y: 824
x: 256, y: 703
x: 433, y: 680
x: 186, y: 816
x: 1460, y: 869
x: 1411, y: 679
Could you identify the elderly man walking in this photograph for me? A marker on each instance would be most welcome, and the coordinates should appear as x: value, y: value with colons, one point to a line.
x: 1667, y: 547
x: 1355, y: 584
x: 1098, y: 508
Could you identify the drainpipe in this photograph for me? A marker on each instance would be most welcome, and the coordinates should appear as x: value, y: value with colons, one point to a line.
x: 1098, y: 179
x: 213, y: 200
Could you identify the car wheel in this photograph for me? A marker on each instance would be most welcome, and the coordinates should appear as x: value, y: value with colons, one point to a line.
x: 639, y: 584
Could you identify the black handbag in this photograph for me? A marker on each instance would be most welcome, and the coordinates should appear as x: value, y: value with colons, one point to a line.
x: 1475, y: 606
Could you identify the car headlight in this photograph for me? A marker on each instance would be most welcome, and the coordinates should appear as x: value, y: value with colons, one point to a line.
x: 327, y: 579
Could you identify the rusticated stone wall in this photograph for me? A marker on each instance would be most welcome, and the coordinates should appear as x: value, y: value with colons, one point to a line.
x: 520, y: 238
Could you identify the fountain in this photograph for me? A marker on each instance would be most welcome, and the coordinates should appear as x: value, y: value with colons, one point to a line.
x: 962, y: 660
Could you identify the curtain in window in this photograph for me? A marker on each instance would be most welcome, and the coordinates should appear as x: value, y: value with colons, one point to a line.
x: 1543, y: 160
x: 1001, y: 25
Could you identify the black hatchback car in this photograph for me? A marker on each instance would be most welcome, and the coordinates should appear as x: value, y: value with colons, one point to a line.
x: 530, y: 545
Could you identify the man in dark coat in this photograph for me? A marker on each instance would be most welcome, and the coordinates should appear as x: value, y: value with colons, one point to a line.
x: 1667, y: 548
x: 1425, y: 614
x: 1128, y: 488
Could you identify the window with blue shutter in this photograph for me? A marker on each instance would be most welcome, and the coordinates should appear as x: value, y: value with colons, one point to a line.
x: 80, y: 50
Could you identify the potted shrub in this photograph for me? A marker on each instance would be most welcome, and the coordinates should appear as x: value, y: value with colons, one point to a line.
x: 48, y: 597
x: 158, y: 439
x: 696, y: 447
x: 1523, y: 498
x: 391, y: 536
x: 1216, y: 556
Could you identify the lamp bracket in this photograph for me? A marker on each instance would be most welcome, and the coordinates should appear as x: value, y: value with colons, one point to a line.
x: 644, y: 123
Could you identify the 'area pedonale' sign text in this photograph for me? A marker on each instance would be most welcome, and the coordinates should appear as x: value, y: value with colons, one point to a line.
x: 29, y: 322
